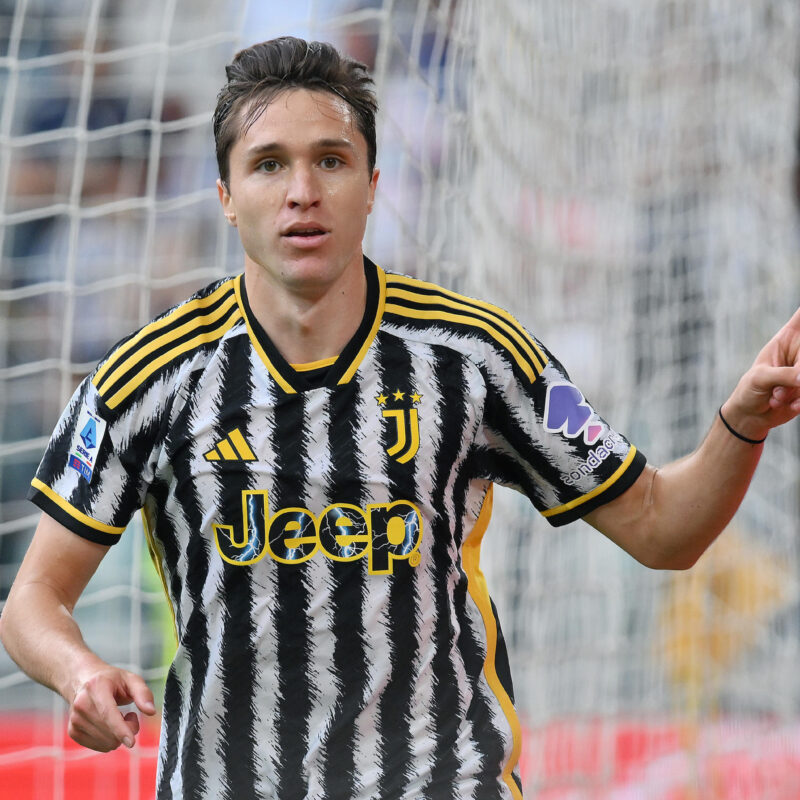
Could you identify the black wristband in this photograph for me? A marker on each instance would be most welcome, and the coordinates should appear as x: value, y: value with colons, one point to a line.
x: 739, y: 435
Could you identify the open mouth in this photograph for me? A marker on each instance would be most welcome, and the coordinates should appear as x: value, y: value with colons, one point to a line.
x: 306, y: 233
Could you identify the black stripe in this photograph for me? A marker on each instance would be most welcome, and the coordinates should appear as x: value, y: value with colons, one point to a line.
x: 395, y: 708
x: 195, y: 632
x: 168, y: 748
x: 238, y: 651
x: 137, y: 454
x: 473, y: 330
x: 501, y: 663
x: 291, y: 614
x: 446, y: 712
x: 181, y: 318
x: 173, y: 344
x: 347, y: 592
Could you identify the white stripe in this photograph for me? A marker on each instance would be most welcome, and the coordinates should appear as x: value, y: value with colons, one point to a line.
x: 325, y: 688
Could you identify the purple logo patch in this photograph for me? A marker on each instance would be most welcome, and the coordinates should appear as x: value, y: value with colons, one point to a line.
x: 567, y: 412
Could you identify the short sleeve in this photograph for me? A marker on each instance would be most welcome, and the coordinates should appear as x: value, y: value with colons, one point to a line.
x: 97, y: 467
x: 543, y: 438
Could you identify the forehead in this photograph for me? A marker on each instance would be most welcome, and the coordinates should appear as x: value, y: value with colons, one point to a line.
x: 297, y: 116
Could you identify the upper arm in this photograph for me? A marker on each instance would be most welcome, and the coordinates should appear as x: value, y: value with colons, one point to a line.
x: 624, y: 519
x: 59, y: 559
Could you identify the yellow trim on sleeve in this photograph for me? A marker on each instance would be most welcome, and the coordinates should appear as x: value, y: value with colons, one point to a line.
x: 479, y: 592
x: 279, y: 379
x: 72, y: 511
x: 596, y: 491
x: 376, y: 323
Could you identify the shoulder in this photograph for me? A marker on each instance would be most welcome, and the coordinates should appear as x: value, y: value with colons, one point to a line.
x: 197, y: 323
x: 484, y: 332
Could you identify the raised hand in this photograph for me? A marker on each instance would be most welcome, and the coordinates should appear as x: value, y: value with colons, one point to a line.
x: 768, y: 394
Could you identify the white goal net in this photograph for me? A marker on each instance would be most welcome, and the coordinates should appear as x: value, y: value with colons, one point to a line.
x: 620, y: 174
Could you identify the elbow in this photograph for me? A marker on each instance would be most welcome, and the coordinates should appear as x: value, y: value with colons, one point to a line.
x: 3, y: 626
x: 676, y: 563
x: 666, y: 558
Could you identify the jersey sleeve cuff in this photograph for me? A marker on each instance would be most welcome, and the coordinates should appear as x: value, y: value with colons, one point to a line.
x: 63, y: 512
x: 622, y: 479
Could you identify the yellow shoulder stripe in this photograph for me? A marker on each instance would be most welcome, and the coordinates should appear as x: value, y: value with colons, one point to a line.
x: 471, y: 303
x: 170, y: 355
x: 526, y: 344
x: 479, y: 592
x: 72, y: 511
x: 551, y: 512
x: 417, y: 313
x: 186, y: 310
x: 140, y: 356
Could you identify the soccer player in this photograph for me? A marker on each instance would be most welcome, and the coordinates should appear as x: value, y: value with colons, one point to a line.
x: 314, y: 444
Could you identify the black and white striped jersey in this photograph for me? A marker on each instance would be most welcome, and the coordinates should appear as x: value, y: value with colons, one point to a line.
x: 318, y: 529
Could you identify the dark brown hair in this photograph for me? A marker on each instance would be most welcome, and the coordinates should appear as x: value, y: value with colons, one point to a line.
x: 260, y: 72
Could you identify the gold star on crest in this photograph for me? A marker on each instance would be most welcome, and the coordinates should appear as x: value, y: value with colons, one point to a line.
x: 416, y: 398
x: 398, y: 395
x: 381, y: 398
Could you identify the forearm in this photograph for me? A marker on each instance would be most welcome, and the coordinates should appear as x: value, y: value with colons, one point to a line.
x: 41, y: 635
x: 691, y: 501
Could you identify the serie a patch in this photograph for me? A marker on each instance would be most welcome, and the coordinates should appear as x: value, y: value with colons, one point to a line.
x: 86, y: 443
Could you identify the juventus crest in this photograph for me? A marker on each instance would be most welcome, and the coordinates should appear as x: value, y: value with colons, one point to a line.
x: 399, y: 409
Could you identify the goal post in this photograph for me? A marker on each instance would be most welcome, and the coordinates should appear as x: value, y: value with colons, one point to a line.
x: 618, y: 174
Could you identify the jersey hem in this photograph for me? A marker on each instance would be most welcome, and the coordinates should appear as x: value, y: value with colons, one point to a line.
x: 65, y: 514
x: 614, y: 487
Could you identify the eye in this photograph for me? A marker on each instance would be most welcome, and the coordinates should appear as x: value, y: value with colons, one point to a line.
x: 269, y: 165
x: 330, y: 162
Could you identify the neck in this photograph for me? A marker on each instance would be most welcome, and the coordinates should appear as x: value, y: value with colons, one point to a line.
x: 308, y: 323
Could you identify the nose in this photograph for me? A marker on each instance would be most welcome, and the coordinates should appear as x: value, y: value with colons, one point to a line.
x: 303, y: 190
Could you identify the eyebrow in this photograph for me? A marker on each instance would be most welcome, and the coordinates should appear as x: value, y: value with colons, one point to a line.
x: 320, y: 144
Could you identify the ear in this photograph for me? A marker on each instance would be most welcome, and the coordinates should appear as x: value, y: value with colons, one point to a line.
x: 226, y: 201
x: 373, y: 183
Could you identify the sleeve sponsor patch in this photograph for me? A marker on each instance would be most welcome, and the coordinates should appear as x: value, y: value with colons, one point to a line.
x: 567, y: 412
x: 86, y: 443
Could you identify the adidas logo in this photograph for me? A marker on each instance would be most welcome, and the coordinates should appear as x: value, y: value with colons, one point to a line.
x: 232, y: 448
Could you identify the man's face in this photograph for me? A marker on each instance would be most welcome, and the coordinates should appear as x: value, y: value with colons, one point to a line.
x: 299, y: 191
